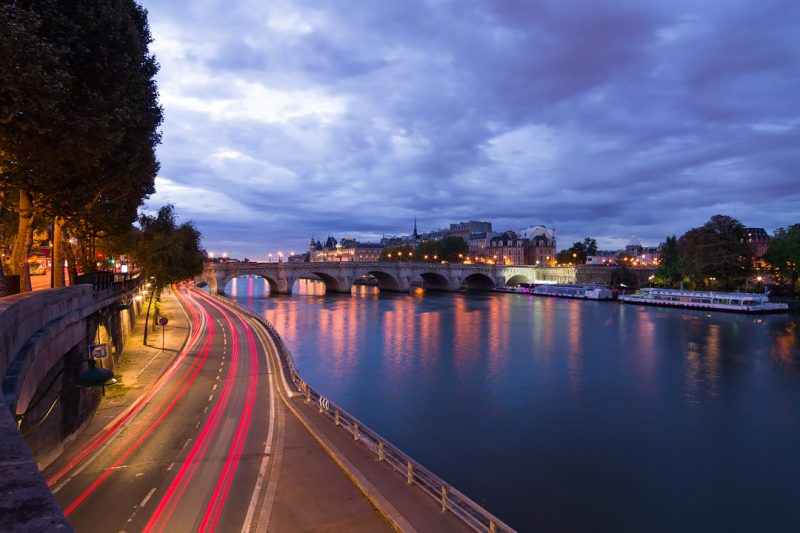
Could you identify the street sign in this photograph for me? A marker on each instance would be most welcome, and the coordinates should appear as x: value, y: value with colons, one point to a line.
x: 163, y: 321
x: 98, y: 351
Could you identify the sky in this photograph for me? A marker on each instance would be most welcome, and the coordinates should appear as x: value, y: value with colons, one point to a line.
x: 615, y: 119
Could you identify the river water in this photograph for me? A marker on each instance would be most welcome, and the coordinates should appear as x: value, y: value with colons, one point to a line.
x: 564, y: 415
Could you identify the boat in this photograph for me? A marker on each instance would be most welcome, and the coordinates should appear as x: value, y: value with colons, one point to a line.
x: 583, y: 292
x: 739, y: 302
x: 519, y: 289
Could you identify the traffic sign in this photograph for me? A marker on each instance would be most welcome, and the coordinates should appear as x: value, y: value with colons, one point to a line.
x: 163, y: 321
x: 98, y: 351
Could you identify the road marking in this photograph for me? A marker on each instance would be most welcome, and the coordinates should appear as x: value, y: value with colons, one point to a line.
x: 147, y: 498
x: 266, y: 508
x: 140, y: 474
x: 210, y: 397
x: 205, y: 410
x: 187, y: 443
x: 214, y: 387
x: 170, y: 466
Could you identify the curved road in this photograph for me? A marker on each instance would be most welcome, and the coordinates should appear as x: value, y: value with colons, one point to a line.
x: 191, y: 454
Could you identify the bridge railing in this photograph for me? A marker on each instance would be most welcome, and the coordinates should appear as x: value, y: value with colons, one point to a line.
x: 450, y: 498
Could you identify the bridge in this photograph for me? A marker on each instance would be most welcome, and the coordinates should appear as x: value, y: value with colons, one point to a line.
x: 391, y: 276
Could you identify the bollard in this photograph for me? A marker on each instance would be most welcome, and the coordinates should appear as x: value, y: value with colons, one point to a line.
x: 355, y: 430
x: 444, y: 498
x: 410, y: 473
x: 380, y: 451
x: 337, y: 417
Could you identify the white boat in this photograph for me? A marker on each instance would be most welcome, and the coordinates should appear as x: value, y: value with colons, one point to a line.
x: 584, y: 292
x: 513, y: 289
x: 740, y: 302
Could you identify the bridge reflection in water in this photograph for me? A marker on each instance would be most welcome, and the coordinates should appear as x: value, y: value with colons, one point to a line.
x: 563, y: 414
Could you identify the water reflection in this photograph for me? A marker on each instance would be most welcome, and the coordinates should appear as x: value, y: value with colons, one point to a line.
x: 534, y: 393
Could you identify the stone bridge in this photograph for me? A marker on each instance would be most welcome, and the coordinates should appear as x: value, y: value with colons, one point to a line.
x: 391, y: 276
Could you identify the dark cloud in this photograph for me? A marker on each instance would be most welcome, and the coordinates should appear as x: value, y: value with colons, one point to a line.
x: 612, y: 119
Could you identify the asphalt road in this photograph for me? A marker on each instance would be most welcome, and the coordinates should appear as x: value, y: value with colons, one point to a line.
x: 191, y: 455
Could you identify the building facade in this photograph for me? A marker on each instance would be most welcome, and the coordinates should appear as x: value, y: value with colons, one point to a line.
x: 344, y: 250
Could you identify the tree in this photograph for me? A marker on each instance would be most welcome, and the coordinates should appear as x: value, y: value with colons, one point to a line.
x: 578, y: 252
x: 783, y: 256
x: 670, y: 267
x: 166, y: 251
x: 450, y: 248
x: 81, y: 149
x: 623, y: 276
x: 590, y: 246
x: 716, y: 251
x: 402, y: 252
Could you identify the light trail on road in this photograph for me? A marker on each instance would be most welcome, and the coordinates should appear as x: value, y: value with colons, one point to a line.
x: 177, y: 423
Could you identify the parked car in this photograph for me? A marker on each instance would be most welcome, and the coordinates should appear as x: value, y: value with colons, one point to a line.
x: 38, y: 270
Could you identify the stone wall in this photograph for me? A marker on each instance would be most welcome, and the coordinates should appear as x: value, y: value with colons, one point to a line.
x: 44, y: 338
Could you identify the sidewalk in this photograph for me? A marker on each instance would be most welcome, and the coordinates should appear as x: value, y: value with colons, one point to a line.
x: 140, y: 364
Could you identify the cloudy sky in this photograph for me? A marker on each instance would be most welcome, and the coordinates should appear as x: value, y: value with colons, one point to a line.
x: 610, y: 119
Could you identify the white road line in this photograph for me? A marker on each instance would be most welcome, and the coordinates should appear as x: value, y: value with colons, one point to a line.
x: 215, y: 386
x: 210, y: 397
x: 170, y: 466
x: 147, y: 498
x: 267, y: 506
x: 187, y: 443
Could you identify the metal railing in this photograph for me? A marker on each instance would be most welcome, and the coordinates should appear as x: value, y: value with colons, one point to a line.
x: 450, y: 498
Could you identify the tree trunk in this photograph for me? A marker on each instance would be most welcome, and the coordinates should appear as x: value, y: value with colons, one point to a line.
x: 24, y: 240
x: 71, y: 262
x: 147, y: 316
x: 3, y: 285
x: 57, y: 253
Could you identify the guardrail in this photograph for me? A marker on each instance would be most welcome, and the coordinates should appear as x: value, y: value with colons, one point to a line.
x: 450, y: 498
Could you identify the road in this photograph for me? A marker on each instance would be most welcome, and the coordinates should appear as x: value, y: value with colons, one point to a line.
x: 191, y: 454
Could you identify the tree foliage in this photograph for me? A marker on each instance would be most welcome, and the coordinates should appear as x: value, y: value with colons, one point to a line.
x: 452, y: 249
x: 783, y: 256
x: 167, y: 251
x: 622, y: 276
x: 578, y: 252
x: 79, y: 116
x: 716, y: 254
x: 670, y: 266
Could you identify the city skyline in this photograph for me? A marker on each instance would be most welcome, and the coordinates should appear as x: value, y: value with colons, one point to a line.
x: 292, y: 119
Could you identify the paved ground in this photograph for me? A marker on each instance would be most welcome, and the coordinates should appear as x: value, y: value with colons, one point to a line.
x: 301, y: 490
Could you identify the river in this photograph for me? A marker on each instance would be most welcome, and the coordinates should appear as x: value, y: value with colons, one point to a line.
x: 565, y: 415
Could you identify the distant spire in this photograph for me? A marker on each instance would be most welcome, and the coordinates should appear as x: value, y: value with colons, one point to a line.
x: 415, y: 228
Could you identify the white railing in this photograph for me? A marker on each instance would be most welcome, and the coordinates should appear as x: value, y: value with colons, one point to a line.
x: 414, y: 473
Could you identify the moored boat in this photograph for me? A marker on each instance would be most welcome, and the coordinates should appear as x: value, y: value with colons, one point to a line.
x: 513, y: 289
x: 583, y: 292
x: 739, y: 302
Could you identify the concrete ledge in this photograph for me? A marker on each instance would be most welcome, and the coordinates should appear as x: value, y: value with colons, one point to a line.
x: 26, y: 503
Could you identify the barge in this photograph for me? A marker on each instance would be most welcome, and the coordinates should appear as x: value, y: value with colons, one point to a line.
x: 583, y: 292
x: 738, y: 302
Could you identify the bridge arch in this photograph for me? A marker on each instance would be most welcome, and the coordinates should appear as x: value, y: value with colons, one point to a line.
x: 272, y: 283
x: 386, y: 282
x: 435, y: 281
x: 332, y: 284
x: 517, y: 279
x: 478, y: 281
